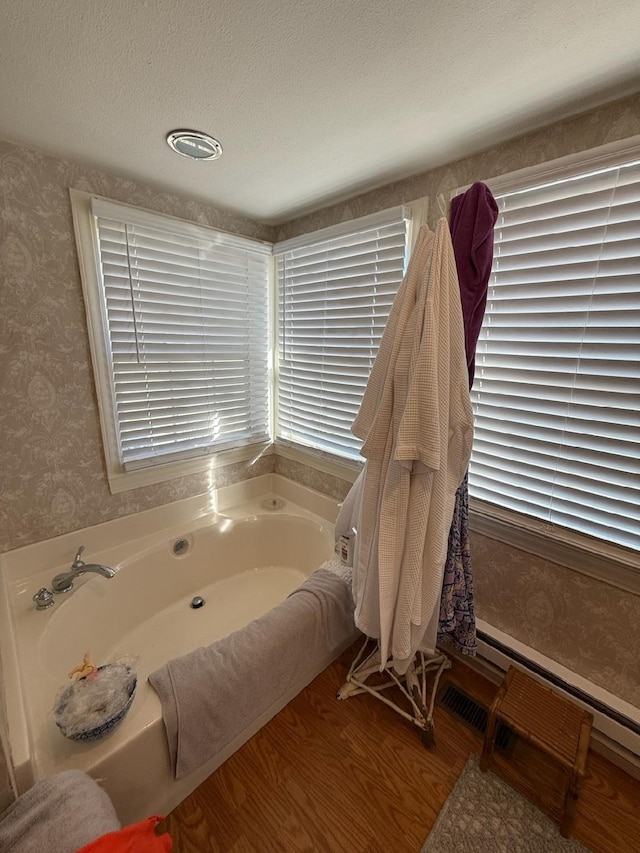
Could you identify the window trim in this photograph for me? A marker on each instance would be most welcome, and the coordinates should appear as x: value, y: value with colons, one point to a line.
x: 611, y: 564
x: 120, y: 480
x: 594, y: 558
x: 578, y: 552
x: 563, y: 167
x: 308, y: 241
x: 320, y: 460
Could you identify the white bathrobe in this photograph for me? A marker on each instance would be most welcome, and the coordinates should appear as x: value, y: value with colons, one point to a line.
x: 417, y: 427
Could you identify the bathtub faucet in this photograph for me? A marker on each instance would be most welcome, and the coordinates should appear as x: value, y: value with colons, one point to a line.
x: 64, y: 581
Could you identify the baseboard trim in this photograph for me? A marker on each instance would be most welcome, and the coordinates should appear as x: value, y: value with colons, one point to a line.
x: 616, y: 726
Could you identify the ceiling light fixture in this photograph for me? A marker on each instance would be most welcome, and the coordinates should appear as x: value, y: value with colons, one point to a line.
x: 194, y: 144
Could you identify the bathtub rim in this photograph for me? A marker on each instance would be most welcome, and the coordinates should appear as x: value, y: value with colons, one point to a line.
x: 22, y: 566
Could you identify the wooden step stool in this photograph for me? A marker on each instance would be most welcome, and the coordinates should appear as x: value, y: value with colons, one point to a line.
x: 549, y: 722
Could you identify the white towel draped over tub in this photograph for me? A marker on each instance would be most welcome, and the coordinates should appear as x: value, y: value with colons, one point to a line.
x: 417, y: 427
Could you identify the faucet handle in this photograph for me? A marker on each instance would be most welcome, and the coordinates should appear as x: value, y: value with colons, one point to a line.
x: 43, y: 598
x: 77, y: 560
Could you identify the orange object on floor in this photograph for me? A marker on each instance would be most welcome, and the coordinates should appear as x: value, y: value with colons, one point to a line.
x: 136, y: 838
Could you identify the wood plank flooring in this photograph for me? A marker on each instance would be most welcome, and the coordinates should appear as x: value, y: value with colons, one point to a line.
x: 352, y: 777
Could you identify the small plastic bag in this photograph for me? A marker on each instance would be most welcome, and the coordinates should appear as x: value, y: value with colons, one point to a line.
x: 90, y: 708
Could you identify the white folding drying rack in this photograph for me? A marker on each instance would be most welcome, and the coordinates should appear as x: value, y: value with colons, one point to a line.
x: 413, y: 685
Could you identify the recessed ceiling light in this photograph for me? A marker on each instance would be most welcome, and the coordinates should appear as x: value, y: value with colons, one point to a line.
x: 194, y: 144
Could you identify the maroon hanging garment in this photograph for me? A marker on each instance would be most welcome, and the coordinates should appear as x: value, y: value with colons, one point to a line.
x: 472, y: 218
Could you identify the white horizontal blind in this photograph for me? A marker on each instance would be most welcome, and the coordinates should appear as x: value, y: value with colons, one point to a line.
x: 335, y: 294
x: 557, y: 384
x: 186, y: 314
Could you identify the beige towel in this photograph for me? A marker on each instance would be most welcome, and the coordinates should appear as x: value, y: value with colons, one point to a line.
x: 210, y: 696
x: 417, y: 427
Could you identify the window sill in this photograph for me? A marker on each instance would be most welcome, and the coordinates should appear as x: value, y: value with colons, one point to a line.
x: 336, y: 466
x: 587, y: 556
x: 120, y: 481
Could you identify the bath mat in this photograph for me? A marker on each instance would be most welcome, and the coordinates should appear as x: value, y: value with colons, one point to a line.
x: 483, y: 814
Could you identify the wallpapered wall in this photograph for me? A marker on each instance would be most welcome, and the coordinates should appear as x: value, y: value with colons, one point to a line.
x: 584, y: 624
x: 53, y: 478
x: 51, y: 457
x: 618, y: 120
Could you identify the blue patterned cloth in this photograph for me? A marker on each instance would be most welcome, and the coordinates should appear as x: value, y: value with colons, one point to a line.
x: 457, y: 610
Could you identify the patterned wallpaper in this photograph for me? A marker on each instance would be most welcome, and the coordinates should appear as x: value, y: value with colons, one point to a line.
x: 308, y: 476
x: 53, y: 477
x: 584, y: 624
x: 618, y: 120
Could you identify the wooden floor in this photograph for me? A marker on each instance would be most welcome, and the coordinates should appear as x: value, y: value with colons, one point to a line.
x: 352, y: 776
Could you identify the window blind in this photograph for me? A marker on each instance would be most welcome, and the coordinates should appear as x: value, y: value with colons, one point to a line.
x: 557, y: 385
x: 186, y: 313
x: 336, y: 288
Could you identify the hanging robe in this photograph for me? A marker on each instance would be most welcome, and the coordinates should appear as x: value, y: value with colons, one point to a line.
x: 472, y: 218
x: 416, y: 424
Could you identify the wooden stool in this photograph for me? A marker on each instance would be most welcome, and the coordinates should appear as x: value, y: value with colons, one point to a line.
x: 551, y: 723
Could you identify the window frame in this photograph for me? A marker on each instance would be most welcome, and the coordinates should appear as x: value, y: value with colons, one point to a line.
x: 615, y: 565
x: 88, y: 258
x: 312, y: 245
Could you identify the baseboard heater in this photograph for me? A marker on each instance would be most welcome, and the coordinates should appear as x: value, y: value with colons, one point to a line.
x: 617, y: 720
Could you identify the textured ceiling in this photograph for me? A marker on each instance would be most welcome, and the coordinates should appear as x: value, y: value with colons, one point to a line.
x: 312, y: 100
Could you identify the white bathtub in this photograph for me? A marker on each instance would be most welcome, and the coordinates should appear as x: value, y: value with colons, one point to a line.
x: 242, y: 559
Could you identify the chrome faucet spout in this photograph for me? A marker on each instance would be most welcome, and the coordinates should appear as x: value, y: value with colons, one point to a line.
x: 64, y: 581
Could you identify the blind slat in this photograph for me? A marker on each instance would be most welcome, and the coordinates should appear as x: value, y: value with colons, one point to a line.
x: 335, y: 295
x: 557, y: 381
x: 187, y: 314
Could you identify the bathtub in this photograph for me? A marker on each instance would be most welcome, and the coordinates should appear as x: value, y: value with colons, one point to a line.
x: 242, y: 550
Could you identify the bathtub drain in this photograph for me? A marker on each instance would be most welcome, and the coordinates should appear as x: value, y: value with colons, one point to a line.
x: 197, y: 601
x: 180, y: 546
x: 273, y: 503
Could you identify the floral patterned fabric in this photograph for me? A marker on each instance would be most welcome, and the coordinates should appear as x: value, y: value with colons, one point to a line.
x: 457, y: 610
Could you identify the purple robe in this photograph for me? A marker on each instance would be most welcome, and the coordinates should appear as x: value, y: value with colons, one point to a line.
x: 471, y: 219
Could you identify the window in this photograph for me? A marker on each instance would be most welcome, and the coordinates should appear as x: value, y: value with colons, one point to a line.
x: 336, y: 288
x: 557, y: 385
x: 179, y: 321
